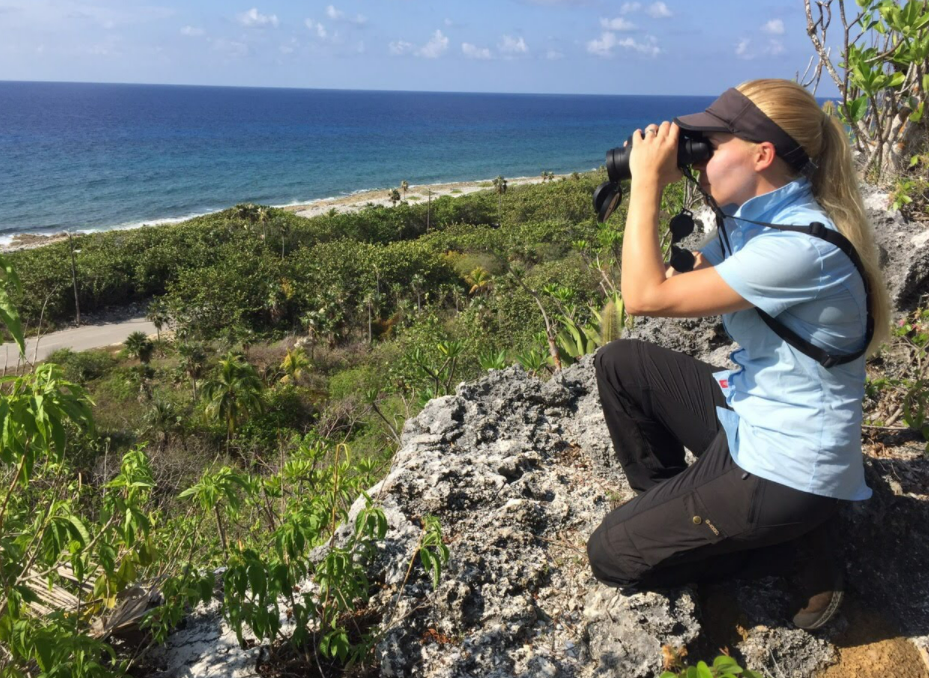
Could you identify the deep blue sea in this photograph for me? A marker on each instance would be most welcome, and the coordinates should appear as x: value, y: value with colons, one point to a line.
x: 98, y: 156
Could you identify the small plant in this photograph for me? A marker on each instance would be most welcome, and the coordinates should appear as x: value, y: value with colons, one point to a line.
x: 723, y: 667
x: 534, y: 361
x: 493, y: 360
x: 916, y: 409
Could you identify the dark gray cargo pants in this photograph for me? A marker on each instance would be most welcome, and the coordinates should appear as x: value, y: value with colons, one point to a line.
x: 709, y: 520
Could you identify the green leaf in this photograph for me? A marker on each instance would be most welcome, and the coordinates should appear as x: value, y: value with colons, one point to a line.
x: 81, y: 529
x: 726, y: 664
x: 897, y: 79
x: 858, y: 108
x: 10, y: 317
x: 703, y: 671
x: 917, y: 115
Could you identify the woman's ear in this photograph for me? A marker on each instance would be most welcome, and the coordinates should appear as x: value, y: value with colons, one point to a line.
x: 764, y: 155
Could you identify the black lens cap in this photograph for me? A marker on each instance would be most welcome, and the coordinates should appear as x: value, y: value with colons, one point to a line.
x: 682, y: 260
x: 681, y: 225
x: 607, y: 197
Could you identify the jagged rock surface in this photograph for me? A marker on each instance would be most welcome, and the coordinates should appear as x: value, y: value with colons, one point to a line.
x: 520, y: 472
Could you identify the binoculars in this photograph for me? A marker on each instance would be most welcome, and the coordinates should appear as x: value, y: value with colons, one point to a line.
x: 691, y: 148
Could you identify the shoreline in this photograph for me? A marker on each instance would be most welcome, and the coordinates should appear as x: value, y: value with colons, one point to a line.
x: 346, y: 203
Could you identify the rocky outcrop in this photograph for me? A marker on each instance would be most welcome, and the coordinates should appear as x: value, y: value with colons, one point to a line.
x: 521, y: 471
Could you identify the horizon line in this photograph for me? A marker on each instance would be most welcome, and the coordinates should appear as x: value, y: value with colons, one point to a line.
x: 342, y: 89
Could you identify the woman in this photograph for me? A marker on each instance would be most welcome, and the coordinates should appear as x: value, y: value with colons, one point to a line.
x: 778, y: 441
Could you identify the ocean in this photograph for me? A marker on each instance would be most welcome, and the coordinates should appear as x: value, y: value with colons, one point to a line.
x: 89, y: 157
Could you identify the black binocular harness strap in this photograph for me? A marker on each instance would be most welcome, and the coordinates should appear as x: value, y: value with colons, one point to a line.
x: 817, y: 230
x: 824, y: 358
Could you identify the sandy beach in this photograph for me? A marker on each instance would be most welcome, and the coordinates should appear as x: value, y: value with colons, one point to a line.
x: 415, y: 193
x: 314, y: 208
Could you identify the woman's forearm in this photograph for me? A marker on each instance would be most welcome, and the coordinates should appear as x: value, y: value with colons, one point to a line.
x: 643, y: 268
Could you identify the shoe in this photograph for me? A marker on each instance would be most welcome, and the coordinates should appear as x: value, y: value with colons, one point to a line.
x: 820, y: 585
x: 819, y: 609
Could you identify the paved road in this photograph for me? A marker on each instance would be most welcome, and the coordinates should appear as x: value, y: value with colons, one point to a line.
x: 79, y: 338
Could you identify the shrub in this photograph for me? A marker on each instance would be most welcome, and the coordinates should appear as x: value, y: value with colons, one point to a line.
x: 83, y: 366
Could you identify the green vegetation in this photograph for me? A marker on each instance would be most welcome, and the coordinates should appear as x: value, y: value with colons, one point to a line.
x: 880, y: 74
x: 723, y: 667
x: 289, y: 354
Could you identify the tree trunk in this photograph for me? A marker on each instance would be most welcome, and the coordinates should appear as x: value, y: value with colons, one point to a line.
x: 222, y: 530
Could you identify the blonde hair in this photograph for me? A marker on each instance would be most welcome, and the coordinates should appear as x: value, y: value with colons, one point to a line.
x: 835, y: 182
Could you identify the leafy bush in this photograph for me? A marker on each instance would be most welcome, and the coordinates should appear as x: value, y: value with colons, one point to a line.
x: 82, y: 366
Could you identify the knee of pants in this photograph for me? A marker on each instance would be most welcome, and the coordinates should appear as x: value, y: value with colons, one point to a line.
x: 613, y: 563
x: 616, y: 359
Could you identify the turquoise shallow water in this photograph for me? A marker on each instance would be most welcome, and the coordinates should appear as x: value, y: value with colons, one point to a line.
x: 98, y: 156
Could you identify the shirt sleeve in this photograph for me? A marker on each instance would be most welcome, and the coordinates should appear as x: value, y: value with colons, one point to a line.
x: 774, y: 271
x: 713, y: 251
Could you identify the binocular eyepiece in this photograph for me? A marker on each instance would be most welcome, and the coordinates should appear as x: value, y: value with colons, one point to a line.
x: 691, y: 148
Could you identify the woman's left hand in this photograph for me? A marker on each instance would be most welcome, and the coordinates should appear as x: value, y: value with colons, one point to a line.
x: 655, y: 155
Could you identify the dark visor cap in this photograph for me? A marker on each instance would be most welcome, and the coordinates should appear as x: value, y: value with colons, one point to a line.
x: 735, y: 113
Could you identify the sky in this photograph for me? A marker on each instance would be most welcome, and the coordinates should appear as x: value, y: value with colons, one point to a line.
x: 669, y: 47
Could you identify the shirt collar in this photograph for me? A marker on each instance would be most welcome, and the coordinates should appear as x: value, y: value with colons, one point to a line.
x: 760, y: 207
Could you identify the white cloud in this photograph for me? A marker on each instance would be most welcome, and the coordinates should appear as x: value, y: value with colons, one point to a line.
x: 435, y: 48
x: 317, y: 28
x: 475, y: 52
x: 289, y: 47
x: 648, y: 46
x: 659, y: 10
x: 511, y: 45
x: 553, y: 55
x: 400, y: 47
x: 617, y: 24
x: 629, y: 7
x: 192, y: 32
x: 255, y: 19
x: 741, y: 49
x: 608, y: 41
x: 449, y: 22
x: 339, y: 15
x: 775, y: 47
x: 774, y: 27
x: 604, y: 46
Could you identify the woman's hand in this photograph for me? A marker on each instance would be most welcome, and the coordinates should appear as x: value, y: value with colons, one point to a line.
x: 654, y: 156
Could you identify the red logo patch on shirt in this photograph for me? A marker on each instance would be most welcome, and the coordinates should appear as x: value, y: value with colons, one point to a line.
x: 724, y: 383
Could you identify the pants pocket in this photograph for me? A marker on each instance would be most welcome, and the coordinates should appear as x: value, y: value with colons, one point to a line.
x: 703, y: 524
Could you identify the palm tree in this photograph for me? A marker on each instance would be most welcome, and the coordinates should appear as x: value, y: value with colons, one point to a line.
x: 479, y: 280
x: 417, y: 282
x: 394, y: 196
x: 500, y: 188
x: 233, y: 394
x: 162, y: 419
x: 193, y: 362
x: 253, y: 214
x: 138, y: 345
x: 295, y: 365
x: 404, y: 186
x: 157, y: 314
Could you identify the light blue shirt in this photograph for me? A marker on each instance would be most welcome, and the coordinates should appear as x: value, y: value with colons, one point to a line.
x: 792, y: 420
